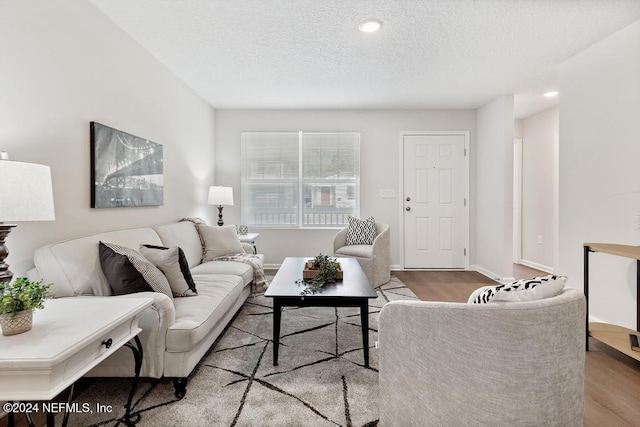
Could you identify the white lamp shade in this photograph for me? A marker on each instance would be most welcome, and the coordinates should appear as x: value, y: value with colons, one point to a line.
x: 220, y: 196
x: 26, y: 193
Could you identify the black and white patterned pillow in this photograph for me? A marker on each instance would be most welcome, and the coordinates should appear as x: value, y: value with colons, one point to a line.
x: 361, y: 232
x: 521, y: 290
x: 122, y: 275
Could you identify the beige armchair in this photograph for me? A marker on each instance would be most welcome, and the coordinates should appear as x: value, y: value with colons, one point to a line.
x: 374, y: 259
x: 496, y: 364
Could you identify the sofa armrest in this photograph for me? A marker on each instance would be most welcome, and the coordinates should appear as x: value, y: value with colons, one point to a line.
x: 247, y: 247
x: 154, y: 322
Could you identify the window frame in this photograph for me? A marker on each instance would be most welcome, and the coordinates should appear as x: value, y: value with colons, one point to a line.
x: 302, y: 182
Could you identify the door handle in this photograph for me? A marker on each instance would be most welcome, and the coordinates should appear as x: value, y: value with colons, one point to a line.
x: 408, y: 208
x: 408, y: 199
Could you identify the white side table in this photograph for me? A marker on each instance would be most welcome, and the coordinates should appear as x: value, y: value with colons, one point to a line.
x: 70, y: 336
x: 250, y: 238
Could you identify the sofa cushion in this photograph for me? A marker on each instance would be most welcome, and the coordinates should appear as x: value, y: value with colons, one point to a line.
x: 361, y: 231
x: 233, y: 268
x: 120, y: 280
x: 73, y: 266
x: 197, y: 316
x: 359, y: 251
x: 536, y: 288
x: 173, y: 263
x: 184, y: 235
x: 219, y: 241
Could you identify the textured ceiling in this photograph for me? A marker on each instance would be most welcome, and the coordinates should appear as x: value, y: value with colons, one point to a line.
x: 428, y: 54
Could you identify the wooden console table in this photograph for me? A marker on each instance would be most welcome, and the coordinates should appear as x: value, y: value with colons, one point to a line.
x: 614, y: 336
x: 70, y: 336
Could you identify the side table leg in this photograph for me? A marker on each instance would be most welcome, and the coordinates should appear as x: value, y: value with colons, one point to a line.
x: 277, y: 314
x: 364, y: 320
x: 137, y: 355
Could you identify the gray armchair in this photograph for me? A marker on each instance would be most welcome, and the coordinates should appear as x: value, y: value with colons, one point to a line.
x: 374, y: 259
x: 496, y: 364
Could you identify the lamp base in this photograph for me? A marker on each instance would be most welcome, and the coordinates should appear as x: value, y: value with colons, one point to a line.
x: 5, y: 274
x: 220, y: 222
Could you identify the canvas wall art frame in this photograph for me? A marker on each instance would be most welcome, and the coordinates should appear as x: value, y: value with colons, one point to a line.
x: 126, y: 170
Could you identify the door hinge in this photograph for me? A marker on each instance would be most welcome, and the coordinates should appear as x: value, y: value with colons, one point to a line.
x: 465, y: 251
x: 465, y: 152
x: 465, y: 201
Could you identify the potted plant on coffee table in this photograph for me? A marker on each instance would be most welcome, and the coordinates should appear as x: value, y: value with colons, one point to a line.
x: 17, y: 302
x: 322, y: 269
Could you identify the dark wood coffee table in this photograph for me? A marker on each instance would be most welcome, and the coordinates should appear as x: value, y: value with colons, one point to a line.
x: 353, y: 291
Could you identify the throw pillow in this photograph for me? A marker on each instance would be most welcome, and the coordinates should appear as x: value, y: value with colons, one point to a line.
x: 173, y: 263
x: 120, y: 273
x: 219, y: 241
x: 521, y: 290
x: 361, y: 232
x: 147, y: 271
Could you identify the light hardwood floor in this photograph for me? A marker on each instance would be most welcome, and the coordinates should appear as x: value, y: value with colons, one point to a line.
x: 612, y: 380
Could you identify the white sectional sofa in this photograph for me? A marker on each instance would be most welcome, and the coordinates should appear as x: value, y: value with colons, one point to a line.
x: 175, y: 333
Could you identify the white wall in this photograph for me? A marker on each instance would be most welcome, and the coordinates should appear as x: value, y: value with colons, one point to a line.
x: 380, y: 163
x: 494, y: 188
x: 538, y: 133
x: 599, y: 172
x: 64, y: 64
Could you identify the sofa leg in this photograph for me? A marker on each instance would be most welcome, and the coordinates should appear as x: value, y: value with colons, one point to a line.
x: 180, y: 384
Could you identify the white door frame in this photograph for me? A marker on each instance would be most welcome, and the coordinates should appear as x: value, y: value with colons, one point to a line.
x: 517, y: 200
x: 467, y: 155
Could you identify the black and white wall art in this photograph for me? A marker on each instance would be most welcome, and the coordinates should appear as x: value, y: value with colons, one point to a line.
x: 126, y: 170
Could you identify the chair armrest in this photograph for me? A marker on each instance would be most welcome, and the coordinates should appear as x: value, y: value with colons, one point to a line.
x: 382, y: 240
x: 340, y: 239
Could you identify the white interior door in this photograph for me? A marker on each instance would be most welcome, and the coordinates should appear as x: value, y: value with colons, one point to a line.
x: 434, y: 201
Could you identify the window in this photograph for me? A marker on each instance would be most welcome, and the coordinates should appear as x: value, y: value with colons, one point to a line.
x: 300, y: 179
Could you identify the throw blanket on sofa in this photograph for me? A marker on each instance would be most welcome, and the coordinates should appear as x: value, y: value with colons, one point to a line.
x: 259, y: 280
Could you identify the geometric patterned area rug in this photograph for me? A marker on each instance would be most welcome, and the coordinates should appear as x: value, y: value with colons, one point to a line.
x: 320, y: 380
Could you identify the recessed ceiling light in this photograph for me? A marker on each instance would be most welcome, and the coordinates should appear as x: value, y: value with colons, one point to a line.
x: 550, y: 94
x: 370, y: 26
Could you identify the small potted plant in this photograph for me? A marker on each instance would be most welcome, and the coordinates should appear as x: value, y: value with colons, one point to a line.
x: 322, y: 269
x: 17, y: 302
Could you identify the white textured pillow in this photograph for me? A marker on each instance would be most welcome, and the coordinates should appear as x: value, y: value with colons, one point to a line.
x: 219, y: 241
x: 521, y: 290
x: 361, y: 232
x: 168, y: 261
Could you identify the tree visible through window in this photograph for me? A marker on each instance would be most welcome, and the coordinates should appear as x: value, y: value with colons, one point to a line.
x: 300, y: 179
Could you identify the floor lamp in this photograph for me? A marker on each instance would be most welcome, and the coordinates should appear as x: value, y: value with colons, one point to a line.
x: 220, y: 196
x: 26, y: 194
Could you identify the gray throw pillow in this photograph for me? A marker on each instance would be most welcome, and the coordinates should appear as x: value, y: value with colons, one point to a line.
x: 219, y: 241
x: 168, y: 261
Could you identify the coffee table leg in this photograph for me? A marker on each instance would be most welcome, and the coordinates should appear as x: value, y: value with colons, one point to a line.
x: 364, y: 320
x: 277, y: 314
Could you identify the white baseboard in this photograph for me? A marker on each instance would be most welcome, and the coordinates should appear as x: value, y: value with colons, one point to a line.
x: 537, y: 266
x: 490, y: 274
x: 396, y: 267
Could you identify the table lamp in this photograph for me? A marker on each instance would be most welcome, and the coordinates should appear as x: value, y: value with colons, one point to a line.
x: 220, y: 196
x: 26, y: 194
